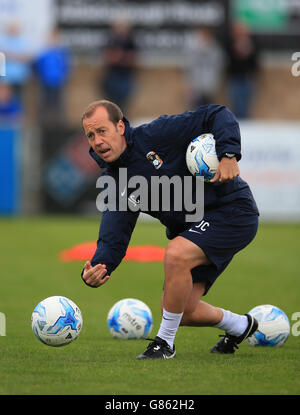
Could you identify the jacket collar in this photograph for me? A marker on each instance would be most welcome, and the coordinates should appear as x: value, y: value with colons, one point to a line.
x: 124, y: 157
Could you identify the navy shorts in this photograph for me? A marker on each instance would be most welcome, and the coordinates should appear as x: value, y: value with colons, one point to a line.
x: 221, y: 234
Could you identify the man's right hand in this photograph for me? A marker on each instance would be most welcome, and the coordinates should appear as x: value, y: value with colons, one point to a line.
x: 94, y: 276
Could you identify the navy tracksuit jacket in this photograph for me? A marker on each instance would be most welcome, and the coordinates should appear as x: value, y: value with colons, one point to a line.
x: 168, y: 136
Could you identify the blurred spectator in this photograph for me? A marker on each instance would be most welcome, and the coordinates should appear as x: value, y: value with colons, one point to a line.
x: 11, y: 109
x: 18, y: 60
x: 52, y: 68
x: 242, y: 70
x: 204, y: 67
x: 120, y: 61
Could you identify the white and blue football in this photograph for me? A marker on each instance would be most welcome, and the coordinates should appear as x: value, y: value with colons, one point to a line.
x: 56, y: 321
x: 201, y: 157
x: 129, y: 319
x: 273, y: 326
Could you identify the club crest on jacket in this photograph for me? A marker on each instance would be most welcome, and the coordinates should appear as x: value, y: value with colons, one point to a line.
x: 154, y: 159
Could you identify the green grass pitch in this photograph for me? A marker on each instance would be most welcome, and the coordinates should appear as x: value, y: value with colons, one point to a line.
x: 266, y: 272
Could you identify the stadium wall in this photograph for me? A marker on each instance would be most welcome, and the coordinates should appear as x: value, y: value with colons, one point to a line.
x: 160, y: 89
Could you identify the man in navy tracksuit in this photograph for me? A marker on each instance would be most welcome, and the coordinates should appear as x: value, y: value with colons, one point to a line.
x: 198, y: 251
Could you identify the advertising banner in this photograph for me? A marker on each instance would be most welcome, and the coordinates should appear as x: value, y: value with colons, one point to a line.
x: 159, y: 26
x: 35, y: 18
x: 69, y: 173
x: 9, y: 170
x: 271, y: 165
x: 269, y: 16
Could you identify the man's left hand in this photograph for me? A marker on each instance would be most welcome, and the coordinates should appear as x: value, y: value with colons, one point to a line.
x: 228, y: 169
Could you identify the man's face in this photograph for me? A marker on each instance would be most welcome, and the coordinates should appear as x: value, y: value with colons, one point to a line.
x: 105, y: 138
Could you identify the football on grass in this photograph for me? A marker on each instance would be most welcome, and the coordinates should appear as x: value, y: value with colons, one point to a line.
x: 201, y: 157
x: 56, y: 321
x: 129, y: 319
x: 273, y: 326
